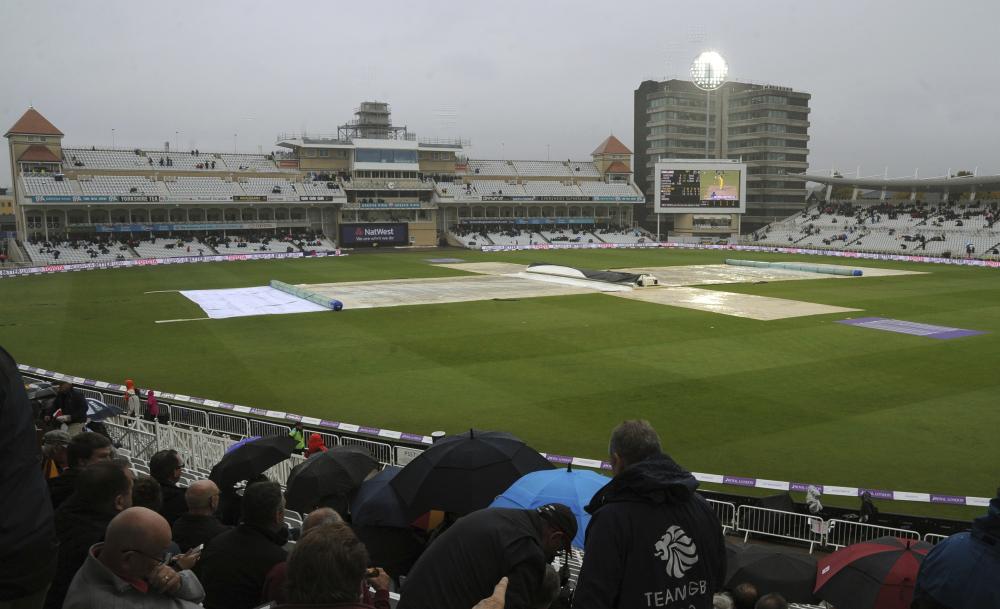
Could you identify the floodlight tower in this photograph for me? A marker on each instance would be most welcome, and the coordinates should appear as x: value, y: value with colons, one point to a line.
x: 708, y: 72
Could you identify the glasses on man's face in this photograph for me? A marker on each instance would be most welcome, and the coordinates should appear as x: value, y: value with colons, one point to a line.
x: 180, y: 466
x: 159, y: 560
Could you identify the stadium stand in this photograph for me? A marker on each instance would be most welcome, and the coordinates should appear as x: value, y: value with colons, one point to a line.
x: 541, y: 188
x: 320, y: 188
x: 46, y: 185
x: 470, y: 237
x: 167, y: 247
x: 515, y: 237
x: 565, y: 235
x: 202, y: 187
x: 491, y: 168
x: 249, y: 162
x: 958, y: 230
x: 121, y: 185
x: 583, y: 170
x: 186, y: 161
x: 605, y: 189
x: 267, y: 186
x: 544, y: 169
x: 96, y: 158
x: 497, y: 188
x: 624, y: 234
x: 58, y: 251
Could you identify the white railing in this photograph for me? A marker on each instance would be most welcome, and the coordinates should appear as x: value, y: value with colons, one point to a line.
x: 380, y: 450
x: 778, y: 523
x: 934, y: 538
x: 140, y: 444
x: 228, y: 424
x: 843, y: 533
x: 726, y: 512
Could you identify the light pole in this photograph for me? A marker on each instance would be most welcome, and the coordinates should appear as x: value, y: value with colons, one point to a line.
x: 708, y: 73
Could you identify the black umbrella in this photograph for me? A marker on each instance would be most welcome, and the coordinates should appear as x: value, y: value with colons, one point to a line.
x: 378, y: 504
x: 772, y: 569
x: 327, y: 477
x: 251, y: 459
x: 465, y: 473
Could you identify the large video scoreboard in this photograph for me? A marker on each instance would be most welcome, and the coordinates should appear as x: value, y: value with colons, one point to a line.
x: 690, y: 186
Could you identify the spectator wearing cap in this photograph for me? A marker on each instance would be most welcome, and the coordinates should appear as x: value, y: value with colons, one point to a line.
x: 54, y: 458
x: 651, y: 541
x: 464, y: 564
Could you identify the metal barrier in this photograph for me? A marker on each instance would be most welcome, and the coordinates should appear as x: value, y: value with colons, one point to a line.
x: 778, y: 523
x: 380, y: 450
x: 186, y: 416
x: 279, y: 473
x: 934, y: 538
x: 726, y: 512
x: 228, y: 424
x: 201, y: 450
x: 843, y: 533
x: 140, y: 444
x: 115, y: 400
x: 265, y: 429
x: 405, y: 454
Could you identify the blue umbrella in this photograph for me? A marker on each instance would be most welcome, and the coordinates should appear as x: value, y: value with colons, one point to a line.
x: 98, y: 410
x: 236, y: 445
x: 574, y: 489
x: 377, y: 503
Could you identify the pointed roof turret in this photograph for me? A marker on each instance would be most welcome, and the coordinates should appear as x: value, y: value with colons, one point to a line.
x: 612, y: 145
x: 33, y: 123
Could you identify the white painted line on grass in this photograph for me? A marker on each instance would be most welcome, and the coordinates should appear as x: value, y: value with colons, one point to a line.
x: 170, y: 321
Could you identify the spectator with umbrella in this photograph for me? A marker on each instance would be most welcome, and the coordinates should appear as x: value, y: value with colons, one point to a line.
x: 573, y: 489
x: 464, y: 473
x: 329, y: 479
x: 250, y: 459
x: 877, y: 574
x: 70, y: 407
x: 963, y: 571
x: 379, y: 520
x: 462, y: 566
x: 771, y: 569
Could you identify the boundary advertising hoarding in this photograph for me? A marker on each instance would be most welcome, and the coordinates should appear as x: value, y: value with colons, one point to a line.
x: 374, y: 234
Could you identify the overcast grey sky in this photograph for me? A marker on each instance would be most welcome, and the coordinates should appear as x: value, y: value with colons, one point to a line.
x: 900, y: 83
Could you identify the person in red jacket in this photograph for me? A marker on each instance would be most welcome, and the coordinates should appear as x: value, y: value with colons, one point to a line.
x: 315, y: 445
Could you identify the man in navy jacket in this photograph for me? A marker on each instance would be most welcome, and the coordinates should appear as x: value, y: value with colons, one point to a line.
x: 652, y: 541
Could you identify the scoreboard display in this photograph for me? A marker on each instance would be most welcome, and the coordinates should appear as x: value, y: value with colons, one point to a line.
x: 698, y: 186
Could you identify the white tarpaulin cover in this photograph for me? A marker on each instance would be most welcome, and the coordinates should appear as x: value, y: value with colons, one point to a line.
x: 243, y: 302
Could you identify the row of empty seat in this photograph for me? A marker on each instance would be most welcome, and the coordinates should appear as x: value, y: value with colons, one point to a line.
x: 553, y: 169
x: 180, y: 187
x: 93, y: 158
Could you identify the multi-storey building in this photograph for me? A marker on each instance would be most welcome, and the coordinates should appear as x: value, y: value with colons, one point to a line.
x: 765, y: 126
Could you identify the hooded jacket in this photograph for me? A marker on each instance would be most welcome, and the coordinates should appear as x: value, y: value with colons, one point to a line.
x: 652, y: 542
x: 315, y: 445
x: 961, y: 571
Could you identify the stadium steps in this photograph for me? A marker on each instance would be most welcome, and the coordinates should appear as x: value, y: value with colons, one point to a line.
x: 207, y: 246
x: 802, y: 238
x: 853, y: 241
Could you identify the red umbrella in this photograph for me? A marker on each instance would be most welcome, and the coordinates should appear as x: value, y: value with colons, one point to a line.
x: 877, y: 574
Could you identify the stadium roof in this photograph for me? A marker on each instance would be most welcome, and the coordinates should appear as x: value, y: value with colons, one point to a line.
x: 618, y: 167
x: 612, y: 145
x: 907, y: 184
x: 39, y: 153
x: 33, y: 123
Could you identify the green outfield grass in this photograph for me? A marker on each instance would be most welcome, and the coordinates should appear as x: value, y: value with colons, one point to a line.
x: 800, y: 399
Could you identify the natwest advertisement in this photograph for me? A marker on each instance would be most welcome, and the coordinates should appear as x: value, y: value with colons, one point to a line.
x: 375, y: 233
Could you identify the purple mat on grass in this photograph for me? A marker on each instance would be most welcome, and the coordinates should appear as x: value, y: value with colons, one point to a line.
x: 909, y: 327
